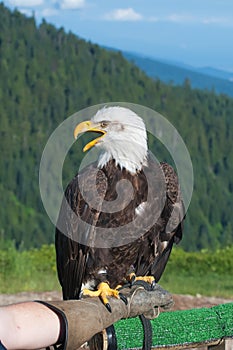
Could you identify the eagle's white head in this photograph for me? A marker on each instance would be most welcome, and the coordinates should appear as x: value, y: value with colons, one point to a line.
x: 122, y: 137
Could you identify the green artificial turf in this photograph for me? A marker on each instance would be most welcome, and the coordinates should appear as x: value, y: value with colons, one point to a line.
x: 179, y: 327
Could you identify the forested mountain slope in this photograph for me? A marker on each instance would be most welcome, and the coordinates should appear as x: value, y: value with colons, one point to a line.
x: 46, y: 75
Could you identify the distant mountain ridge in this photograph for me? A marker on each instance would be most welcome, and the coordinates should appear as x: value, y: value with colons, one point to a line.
x: 207, y: 70
x: 176, y: 73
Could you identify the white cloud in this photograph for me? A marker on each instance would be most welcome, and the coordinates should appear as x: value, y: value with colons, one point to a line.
x: 72, y: 4
x: 217, y: 20
x: 26, y: 12
x: 26, y: 3
x: 123, y: 15
x: 190, y: 19
x: 48, y: 12
x: 180, y: 18
x: 153, y: 19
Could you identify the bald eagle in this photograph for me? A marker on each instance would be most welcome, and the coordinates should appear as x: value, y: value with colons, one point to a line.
x: 120, y: 214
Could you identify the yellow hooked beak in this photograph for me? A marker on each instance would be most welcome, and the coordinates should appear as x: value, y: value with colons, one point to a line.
x: 89, y: 126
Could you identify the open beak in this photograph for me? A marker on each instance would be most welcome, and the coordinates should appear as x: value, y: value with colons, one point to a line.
x: 89, y: 126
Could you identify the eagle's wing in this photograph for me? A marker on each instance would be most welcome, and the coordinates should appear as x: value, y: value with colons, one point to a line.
x: 74, y: 229
x: 155, y: 246
x: 172, y: 218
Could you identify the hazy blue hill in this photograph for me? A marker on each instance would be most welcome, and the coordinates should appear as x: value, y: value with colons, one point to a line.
x: 206, y: 70
x: 201, y: 78
x: 217, y: 73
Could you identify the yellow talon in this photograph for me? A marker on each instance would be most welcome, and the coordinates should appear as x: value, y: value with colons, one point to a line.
x: 91, y: 293
x: 149, y: 279
x: 131, y: 277
x: 103, y: 291
x: 118, y: 286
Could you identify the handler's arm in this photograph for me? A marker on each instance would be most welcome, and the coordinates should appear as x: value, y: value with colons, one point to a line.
x: 34, y: 325
x: 28, y: 325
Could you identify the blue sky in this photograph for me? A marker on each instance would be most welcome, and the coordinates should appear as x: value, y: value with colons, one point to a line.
x: 194, y: 32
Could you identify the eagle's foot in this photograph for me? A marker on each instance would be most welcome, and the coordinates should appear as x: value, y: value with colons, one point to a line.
x: 103, y: 292
x: 148, y: 279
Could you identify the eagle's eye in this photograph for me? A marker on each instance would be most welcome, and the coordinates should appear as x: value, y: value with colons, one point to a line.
x: 104, y: 124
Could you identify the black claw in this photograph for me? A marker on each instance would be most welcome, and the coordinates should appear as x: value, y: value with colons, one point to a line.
x: 123, y: 298
x: 108, y: 307
x: 132, y: 280
x: 153, y: 285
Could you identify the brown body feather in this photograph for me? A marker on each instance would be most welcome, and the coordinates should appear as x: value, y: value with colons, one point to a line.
x: 80, y: 261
